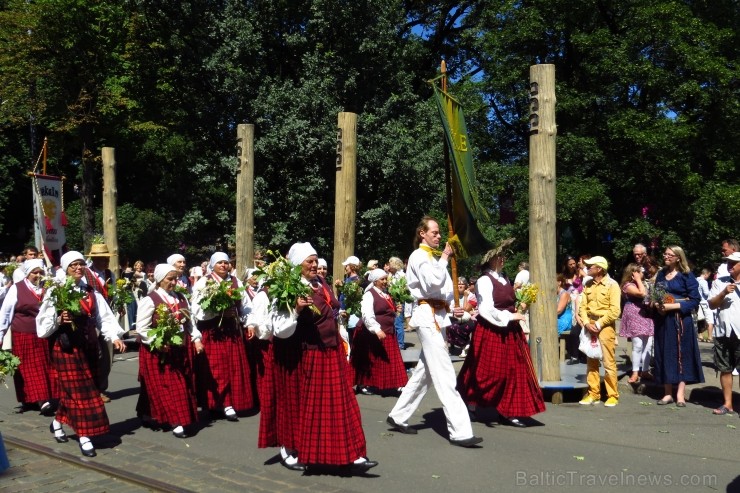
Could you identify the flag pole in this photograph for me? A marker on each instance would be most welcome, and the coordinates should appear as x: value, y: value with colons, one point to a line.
x: 448, y: 185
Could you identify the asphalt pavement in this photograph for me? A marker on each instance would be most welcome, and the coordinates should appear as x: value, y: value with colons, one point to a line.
x: 631, y: 447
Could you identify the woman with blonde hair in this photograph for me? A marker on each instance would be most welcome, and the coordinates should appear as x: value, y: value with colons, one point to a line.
x: 637, y: 322
x: 677, y: 357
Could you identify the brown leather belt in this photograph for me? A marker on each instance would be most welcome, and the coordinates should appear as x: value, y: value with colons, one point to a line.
x: 436, y: 305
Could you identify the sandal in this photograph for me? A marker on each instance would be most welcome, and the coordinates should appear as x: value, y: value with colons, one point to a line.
x: 665, y: 402
x: 633, y: 379
x: 722, y: 410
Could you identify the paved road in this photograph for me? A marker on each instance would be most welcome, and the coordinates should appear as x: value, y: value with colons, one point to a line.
x: 632, y: 446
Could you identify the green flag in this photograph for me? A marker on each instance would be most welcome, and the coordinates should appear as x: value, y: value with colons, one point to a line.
x: 466, y: 210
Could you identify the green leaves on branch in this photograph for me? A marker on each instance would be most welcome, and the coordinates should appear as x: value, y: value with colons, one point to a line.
x: 398, y: 290
x: 168, y: 331
x: 65, y: 296
x: 352, y: 296
x: 8, y: 365
x: 220, y: 296
x: 284, y: 283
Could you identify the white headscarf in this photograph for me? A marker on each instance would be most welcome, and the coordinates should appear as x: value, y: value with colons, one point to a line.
x: 68, y: 258
x: 322, y: 263
x: 32, y: 264
x: 174, y: 258
x: 160, y: 272
x: 300, y: 252
x: 375, y: 275
x: 217, y: 257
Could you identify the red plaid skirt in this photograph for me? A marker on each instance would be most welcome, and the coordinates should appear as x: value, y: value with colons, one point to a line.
x: 498, y: 373
x: 377, y: 363
x: 287, y: 378
x: 166, y: 385
x: 264, y: 371
x: 223, y: 370
x: 34, y: 381
x: 331, y: 426
x: 80, y: 405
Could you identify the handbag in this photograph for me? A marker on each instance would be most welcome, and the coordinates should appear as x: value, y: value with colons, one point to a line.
x: 589, y: 344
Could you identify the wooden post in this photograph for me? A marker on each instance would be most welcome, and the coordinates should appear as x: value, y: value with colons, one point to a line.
x: 110, y: 196
x: 345, y: 201
x: 543, y: 268
x: 245, y: 199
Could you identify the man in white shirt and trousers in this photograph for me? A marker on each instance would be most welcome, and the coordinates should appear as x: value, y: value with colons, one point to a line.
x: 430, y: 284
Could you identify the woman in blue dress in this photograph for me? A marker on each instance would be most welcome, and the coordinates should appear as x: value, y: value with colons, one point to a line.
x: 677, y: 357
x: 565, y: 310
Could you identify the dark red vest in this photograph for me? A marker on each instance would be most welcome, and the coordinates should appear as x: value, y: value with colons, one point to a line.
x: 26, y: 309
x: 385, y: 312
x: 318, y: 331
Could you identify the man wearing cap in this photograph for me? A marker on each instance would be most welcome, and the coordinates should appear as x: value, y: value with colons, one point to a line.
x: 178, y: 262
x: 725, y: 298
x: 430, y: 284
x: 600, y: 308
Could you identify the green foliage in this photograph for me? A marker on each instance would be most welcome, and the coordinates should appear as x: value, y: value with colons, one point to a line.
x: 283, y: 282
x: 647, y: 100
x: 352, y: 296
x: 9, y: 364
x: 218, y: 297
x: 65, y: 296
x: 399, y: 290
x: 168, y: 331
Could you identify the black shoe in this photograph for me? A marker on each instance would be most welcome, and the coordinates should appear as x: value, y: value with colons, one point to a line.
x: 47, y: 409
x: 231, y: 417
x: 88, y: 453
x: 405, y: 429
x: 367, y: 391
x: 180, y: 434
x: 61, y: 439
x: 511, y: 422
x: 572, y: 361
x: 467, y: 442
x: 298, y: 466
x: 361, y: 467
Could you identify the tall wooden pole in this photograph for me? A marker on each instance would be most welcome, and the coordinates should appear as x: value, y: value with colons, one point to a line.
x: 110, y: 196
x: 245, y: 199
x: 542, y: 133
x: 345, y: 200
x: 448, y: 185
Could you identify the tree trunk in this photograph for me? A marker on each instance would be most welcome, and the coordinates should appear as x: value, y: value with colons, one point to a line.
x: 543, y: 267
x: 245, y: 199
x: 345, y: 202
x: 110, y: 197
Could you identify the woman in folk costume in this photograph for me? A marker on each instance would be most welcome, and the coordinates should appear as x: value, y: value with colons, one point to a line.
x: 267, y: 322
x: 330, y: 426
x: 75, y: 355
x: 222, y: 369
x: 34, y: 381
x: 167, y: 382
x: 376, y: 357
x: 497, y: 371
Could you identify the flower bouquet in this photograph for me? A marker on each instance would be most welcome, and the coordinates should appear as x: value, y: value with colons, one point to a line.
x: 182, y: 290
x: 220, y: 297
x: 659, y: 296
x: 65, y: 296
x: 8, y: 365
x: 283, y: 282
x: 9, y: 268
x: 525, y: 296
x: 352, y: 295
x: 398, y: 289
x: 168, y: 331
x: 120, y: 294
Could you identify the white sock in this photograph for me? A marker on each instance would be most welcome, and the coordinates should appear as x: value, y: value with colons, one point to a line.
x: 86, y: 444
x: 178, y: 429
x: 360, y: 460
x: 290, y: 460
x: 283, y: 453
x: 58, y: 430
x: 229, y: 411
x: 46, y: 405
